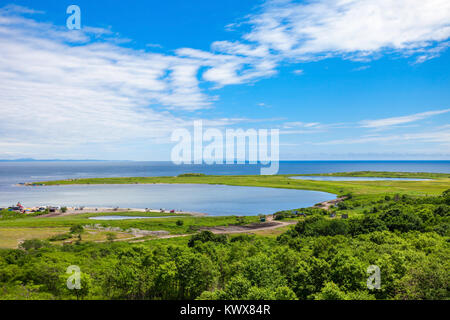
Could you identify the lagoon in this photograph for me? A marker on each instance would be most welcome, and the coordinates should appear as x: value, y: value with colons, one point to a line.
x: 212, y: 199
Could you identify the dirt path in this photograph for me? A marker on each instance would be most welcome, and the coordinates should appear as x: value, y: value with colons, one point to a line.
x: 231, y: 229
x: 137, y: 236
x: 249, y: 228
x: 327, y: 204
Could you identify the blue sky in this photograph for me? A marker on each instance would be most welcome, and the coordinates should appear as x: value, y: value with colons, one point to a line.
x: 346, y: 79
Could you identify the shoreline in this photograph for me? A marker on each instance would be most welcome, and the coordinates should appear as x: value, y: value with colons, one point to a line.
x: 73, y: 211
x: 339, y: 189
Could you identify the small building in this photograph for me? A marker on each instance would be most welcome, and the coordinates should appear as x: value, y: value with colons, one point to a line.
x: 344, y: 216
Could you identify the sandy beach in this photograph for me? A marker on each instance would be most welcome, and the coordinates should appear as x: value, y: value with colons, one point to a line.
x: 74, y: 210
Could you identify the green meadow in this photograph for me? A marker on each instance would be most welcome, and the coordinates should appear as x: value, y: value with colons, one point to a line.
x: 438, y: 182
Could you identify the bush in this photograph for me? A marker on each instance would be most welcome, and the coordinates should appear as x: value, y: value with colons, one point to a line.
x: 319, y: 226
x: 191, y: 175
x: 60, y: 237
x: 240, y: 220
x: 206, y: 236
x: 34, y: 244
x: 242, y: 237
x: 179, y: 223
x: 342, y: 206
x: 111, y: 236
x: 402, y: 220
x: 77, y: 229
x: 442, y: 211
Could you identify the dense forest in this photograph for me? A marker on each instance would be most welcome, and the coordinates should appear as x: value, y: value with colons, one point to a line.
x: 317, y: 258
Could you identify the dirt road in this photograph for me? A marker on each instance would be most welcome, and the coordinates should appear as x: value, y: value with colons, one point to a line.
x: 231, y: 229
x: 327, y: 204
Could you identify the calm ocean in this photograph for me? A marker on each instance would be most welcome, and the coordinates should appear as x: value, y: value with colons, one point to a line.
x: 16, y: 172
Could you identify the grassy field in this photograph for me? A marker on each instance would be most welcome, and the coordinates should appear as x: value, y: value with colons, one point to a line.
x: 14, y: 230
x: 10, y: 237
x: 383, y: 174
x: 436, y: 184
x: 168, y: 224
x: 272, y: 233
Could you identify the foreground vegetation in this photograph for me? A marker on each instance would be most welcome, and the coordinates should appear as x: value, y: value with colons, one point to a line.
x: 402, y: 227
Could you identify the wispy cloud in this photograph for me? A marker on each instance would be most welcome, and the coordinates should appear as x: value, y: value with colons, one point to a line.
x: 13, y: 8
x: 361, y: 68
x: 442, y: 137
x: 352, y: 29
x: 63, y: 90
x: 77, y: 88
x: 299, y: 124
x: 386, y: 122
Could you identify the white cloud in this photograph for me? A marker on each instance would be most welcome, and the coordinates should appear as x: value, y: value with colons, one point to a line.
x: 227, y: 68
x: 153, y: 45
x: 19, y: 9
x: 442, y: 137
x: 361, y: 68
x: 64, y: 90
x: 400, y: 120
x: 299, y: 124
x: 356, y: 29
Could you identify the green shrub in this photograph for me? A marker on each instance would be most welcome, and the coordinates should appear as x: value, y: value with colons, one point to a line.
x: 60, y: 237
x: 77, y: 229
x: 207, y: 236
x: 34, y: 244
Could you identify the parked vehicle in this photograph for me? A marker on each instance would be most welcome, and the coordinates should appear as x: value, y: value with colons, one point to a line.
x: 53, y: 209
